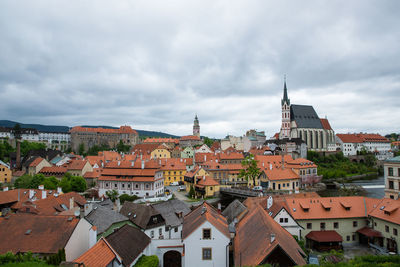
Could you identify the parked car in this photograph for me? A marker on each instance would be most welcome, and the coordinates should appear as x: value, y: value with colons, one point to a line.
x: 181, y: 188
x: 258, y: 188
x: 167, y: 192
x: 174, y: 183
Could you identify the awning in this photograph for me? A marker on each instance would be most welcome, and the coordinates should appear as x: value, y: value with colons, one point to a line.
x: 324, y: 236
x: 369, y: 232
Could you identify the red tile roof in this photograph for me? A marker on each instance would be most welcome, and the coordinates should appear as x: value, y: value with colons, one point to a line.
x: 101, y: 254
x: 324, y: 236
x: 161, y: 140
x: 94, y: 174
x: 189, y: 137
x: 53, y: 169
x: 204, y: 212
x: 325, y: 124
x: 387, y: 209
x: 361, y: 138
x: 207, y: 181
x: 76, y: 164
x: 122, y: 129
x: 36, y: 162
x: 35, y: 233
x: 281, y: 174
x: 253, y: 239
x: 144, y: 148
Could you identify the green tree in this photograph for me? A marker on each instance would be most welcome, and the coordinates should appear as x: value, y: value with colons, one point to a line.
x: 37, y: 180
x: 209, y: 142
x: 250, y: 170
x: 65, y: 184
x: 126, y: 197
x: 121, y: 147
x: 50, y: 183
x: 27, y: 146
x: 191, y: 191
x: 113, y: 195
x: 81, y: 149
x: 23, y: 181
x: 78, y: 184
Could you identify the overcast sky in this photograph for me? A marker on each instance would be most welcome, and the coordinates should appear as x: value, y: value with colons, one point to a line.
x: 155, y: 64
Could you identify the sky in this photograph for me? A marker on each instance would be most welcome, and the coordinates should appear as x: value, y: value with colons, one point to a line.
x: 155, y: 64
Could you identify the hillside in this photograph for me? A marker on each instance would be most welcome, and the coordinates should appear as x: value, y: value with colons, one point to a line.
x: 64, y: 129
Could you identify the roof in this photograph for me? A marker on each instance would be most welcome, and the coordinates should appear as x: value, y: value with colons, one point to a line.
x: 35, y: 233
x: 101, y: 254
x: 139, y: 214
x: 395, y: 159
x: 281, y: 174
x: 122, y: 129
x: 161, y: 140
x: 254, y: 240
x: 77, y: 164
x: 36, y: 162
x: 362, y: 138
x: 202, y: 213
x: 324, y: 236
x: 325, y: 124
x: 129, y: 242
x: 53, y: 169
x: 103, y: 217
x: 22, y: 195
x: 189, y: 137
x: 4, y: 164
x: 144, y: 148
x: 234, y: 210
x: 305, y: 117
x: 172, y: 211
x: 369, y: 232
x: 207, y: 181
x: 387, y: 209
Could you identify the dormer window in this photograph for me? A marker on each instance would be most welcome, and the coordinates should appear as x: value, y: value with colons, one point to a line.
x: 154, y: 219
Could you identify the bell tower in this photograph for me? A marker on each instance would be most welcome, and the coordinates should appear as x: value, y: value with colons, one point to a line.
x: 285, y: 102
x: 196, y: 127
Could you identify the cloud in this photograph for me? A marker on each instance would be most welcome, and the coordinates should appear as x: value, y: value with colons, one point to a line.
x: 155, y: 64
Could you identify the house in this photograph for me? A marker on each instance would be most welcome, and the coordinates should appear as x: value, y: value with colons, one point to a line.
x: 92, y: 177
x: 46, y: 235
x: 203, y: 149
x: 36, y: 165
x: 79, y: 167
x: 56, y: 171
x: 206, y: 186
x: 173, y: 170
x: 105, y: 218
x: 147, y: 218
x: 192, y: 177
x: 190, y: 140
x: 5, y: 173
x: 205, y: 237
x: 279, y: 179
x: 141, y: 178
x: 350, y: 144
x: 261, y: 240
x: 391, y: 169
x: 121, y: 248
x: 235, y: 210
x: 170, y: 142
x: 161, y: 152
x: 187, y: 152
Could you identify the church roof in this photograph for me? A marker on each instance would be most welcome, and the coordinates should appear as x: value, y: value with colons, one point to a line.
x: 305, y: 116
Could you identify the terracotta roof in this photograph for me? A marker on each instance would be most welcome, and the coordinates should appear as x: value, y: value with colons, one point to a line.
x: 361, y: 138
x: 203, y: 157
x: 122, y: 129
x: 35, y: 233
x: 94, y: 160
x: 275, y: 160
x: 324, y: 236
x: 231, y: 155
x: 189, y: 137
x: 258, y: 150
x: 36, y: 162
x: 101, y: 254
x: 129, y: 242
x: 369, y: 232
x: 53, y: 169
x: 253, y: 239
x: 11, y: 196
x: 198, y: 216
x: 325, y: 124
x: 94, y: 174
x: 173, y: 164
x: 161, y: 140
x: 144, y: 148
x: 281, y: 174
x: 109, y: 155
x: 387, y: 209
x: 207, y: 181
x: 76, y: 164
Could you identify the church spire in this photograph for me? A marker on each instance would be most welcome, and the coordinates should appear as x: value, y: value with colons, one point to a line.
x: 285, y: 95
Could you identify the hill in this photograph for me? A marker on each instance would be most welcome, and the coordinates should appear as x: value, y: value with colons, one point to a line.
x: 65, y: 129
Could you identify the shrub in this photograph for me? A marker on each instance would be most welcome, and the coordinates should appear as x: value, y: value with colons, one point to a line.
x: 147, y: 261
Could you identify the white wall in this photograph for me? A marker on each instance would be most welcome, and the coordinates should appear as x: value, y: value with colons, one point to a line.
x: 80, y: 241
x: 291, y: 226
x: 195, y: 242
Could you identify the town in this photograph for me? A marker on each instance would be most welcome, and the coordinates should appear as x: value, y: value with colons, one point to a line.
x: 108, y: 196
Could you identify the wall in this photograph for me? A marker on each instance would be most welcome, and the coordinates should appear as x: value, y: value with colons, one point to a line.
x: 379, y: 225
x: 80, y: 241
x: 194, y: 244
x: 291, y: 226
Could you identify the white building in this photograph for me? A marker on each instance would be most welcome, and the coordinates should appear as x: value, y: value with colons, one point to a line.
x: 350, y: 144
x: 205, y: 238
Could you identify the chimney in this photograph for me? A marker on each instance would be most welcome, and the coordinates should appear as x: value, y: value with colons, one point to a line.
x: 132, y: 163
x: 44, y: 194
x: 219, y: 207
x: 31, y: 193
x: 263, y: 164
x: 5, y: 188
x: 272, y: 238
x: 118, y: 205
x: 119, y: 162
x: 59, y: 190
x: 41, y: 187
x: 204, y: 177
x: 71, y: 203
x: 205, y: 158
x: 88, y: 208
x: 142, y: 164
x: 203, y: 210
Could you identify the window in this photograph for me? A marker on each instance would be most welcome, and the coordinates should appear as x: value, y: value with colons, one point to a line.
x: 309, y: 225
x: 336, y: 225
x: 353, y: 237
x: 176, y: 229
x: 207, y: 254
x: 348, y: 238
x: 322, y: 226
x: 386, y: 229
x: 281, y: 220
x: 390, y: 171
x: 206, y: 233
x: 152, y: 234
x: 391, y: 185
x: 394, y: 231
x: 160, y: 231
x: 355, y: 223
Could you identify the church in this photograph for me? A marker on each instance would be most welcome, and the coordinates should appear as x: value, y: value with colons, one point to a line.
x: 301, y: 121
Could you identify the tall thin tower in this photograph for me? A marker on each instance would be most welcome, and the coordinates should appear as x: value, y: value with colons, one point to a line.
x: 196, y: 127
x: 285, y: 102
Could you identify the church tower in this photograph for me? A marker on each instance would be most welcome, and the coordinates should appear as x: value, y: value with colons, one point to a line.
x: 285, y: 102
x: 196, y: 127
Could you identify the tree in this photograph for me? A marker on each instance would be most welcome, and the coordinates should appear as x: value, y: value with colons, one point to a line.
x: 37, y: 180
x: 209, y: 142
x: 65, y: 185
x: 50, y: 183
x: 23, y: 181
x: 113, y: 195
x: 126, y: 197
x: 250, y: 170
x: 27, y: 146
x: 81, y: 149
x: 78, y: 184
x: 121, y: 147
x: 191, y: 191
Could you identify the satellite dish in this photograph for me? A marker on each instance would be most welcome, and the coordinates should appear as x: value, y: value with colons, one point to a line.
x: 269, y: 202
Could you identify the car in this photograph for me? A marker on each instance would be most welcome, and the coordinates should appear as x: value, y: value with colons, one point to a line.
x: 167, y: 192
x: 258, y: 188
x: 181, y: 188
x: 174, y: 183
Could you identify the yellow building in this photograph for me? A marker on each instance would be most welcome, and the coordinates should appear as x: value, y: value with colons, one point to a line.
x: 5, y: 173
x: 161, y: 152
x: 279, y: 180
x: 174, y: 170
x: 206, y: 187
x: 193, y: 176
